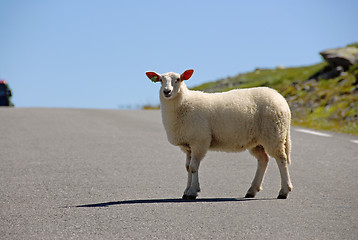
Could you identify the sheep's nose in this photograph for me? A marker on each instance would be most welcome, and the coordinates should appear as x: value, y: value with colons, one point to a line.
x: 166, y: 92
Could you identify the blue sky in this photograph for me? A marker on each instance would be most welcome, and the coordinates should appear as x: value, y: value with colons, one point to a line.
x: 93, y: 54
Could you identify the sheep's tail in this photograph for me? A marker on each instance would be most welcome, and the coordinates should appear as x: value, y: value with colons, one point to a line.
x: 288, y: 146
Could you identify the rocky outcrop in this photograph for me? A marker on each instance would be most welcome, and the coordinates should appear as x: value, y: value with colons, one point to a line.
x: 327, y: 72
x: 339, y: 60
x: 341, y: 57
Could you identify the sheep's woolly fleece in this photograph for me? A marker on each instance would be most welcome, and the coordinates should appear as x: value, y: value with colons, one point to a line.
x: 257, y: 119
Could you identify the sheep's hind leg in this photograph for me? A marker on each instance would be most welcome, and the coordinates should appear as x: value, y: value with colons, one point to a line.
x: 286, y: 185
x: 193, y: 187
x: 262, y: 162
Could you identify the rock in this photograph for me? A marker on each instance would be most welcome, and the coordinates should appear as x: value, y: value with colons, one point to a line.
x: 354, y: 90
x: 280, y: 67
x: 327, y: 72
x: 294, y: 83
x: 344, y: 57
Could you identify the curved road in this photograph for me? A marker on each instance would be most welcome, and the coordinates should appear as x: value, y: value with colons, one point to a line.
x: 111, y: 174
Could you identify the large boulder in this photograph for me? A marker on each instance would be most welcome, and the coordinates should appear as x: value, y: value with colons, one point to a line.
x: 341, y: 57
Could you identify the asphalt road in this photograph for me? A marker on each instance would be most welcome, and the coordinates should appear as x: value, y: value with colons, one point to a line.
x: 111, y: 174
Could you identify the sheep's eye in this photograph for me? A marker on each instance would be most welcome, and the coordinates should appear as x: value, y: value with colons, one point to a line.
x: 178, y: 79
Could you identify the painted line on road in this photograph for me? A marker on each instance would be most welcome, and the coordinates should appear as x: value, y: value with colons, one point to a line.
x: 313, y: 132
x: 320, y: 134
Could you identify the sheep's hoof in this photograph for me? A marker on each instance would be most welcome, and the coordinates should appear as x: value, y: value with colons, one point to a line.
x: 187, y: 197
x: 249, y: 195
x: 282, y: 197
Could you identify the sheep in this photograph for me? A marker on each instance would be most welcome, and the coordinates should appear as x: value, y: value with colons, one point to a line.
x: 257, y: 119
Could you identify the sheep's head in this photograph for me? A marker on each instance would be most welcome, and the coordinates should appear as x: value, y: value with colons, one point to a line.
x: 170, y: 82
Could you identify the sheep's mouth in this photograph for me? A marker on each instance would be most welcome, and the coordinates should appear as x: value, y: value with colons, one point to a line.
x: 167, y: 95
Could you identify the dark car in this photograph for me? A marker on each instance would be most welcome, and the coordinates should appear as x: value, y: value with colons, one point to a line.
x: 5, y: 94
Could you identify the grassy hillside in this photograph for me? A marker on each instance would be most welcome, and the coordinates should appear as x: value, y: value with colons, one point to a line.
x: 319, y: 103
x: 325, y: 104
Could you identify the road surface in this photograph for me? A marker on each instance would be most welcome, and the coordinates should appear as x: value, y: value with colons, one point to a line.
x: 111, y: 174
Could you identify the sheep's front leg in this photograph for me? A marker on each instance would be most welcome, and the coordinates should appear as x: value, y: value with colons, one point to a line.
x: 187, y: 164
x: 192, y: 165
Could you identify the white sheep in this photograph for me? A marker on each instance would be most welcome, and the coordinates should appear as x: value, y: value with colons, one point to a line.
x: 257, y: 119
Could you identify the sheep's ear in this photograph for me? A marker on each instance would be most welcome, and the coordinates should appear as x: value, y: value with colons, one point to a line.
x: 187, y: 74
x: 153, y: 76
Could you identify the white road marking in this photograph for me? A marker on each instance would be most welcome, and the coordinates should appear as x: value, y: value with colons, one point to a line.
x: 354, y: 141
x: 313, y: 132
